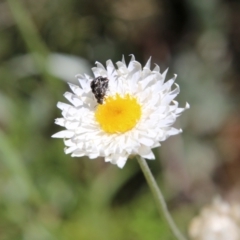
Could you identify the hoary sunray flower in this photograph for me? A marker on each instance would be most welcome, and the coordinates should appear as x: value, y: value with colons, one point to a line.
x: 219, y: 220
x: 136, y: 114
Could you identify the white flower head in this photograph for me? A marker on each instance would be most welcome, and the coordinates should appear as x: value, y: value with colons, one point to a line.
x: 137, y: 113
x: 218, y: 221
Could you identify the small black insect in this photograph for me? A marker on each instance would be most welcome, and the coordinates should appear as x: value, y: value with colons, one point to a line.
x: 99, y: 88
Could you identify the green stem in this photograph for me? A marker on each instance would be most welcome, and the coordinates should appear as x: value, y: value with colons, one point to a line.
x: 161, y: 204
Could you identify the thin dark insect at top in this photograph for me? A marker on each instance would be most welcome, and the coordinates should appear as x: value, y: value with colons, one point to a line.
x: 99, y: 88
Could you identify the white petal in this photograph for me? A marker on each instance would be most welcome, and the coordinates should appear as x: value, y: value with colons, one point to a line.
x: 63, y: 106
x: 93, y: 155
x: 78, y: 153
x: 174, y: 131
x: 146, y: 141
x: 131, y: 63
x: 121, y: 161
x: 156, y: 69
x: 76, y: 89
x: 63, y: 134
x: 60, y: 121
x: 73, y: 99
x: 187, y: 106
x: 70, y: 149
x: 72, y: 125
x: 100, y: 66
x: 85, y: 83
x: 148, y: 64
x: 146, y: 152
x: 167, y: 85
x: 110, y: 67
x: 69, y: 142
x: 164, y: 73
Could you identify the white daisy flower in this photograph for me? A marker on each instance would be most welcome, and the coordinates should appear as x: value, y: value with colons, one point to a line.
x: 137, y: 112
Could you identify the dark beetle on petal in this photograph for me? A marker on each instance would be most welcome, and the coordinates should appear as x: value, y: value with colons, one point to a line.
x: 99, y: 88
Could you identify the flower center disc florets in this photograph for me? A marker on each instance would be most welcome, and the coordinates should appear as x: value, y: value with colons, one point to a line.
x: 118, y: 114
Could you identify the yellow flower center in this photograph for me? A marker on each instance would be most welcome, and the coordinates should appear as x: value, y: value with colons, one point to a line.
x: 118, y: 114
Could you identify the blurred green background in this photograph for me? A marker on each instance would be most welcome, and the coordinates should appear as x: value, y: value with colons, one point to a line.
x: 47, y: 195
